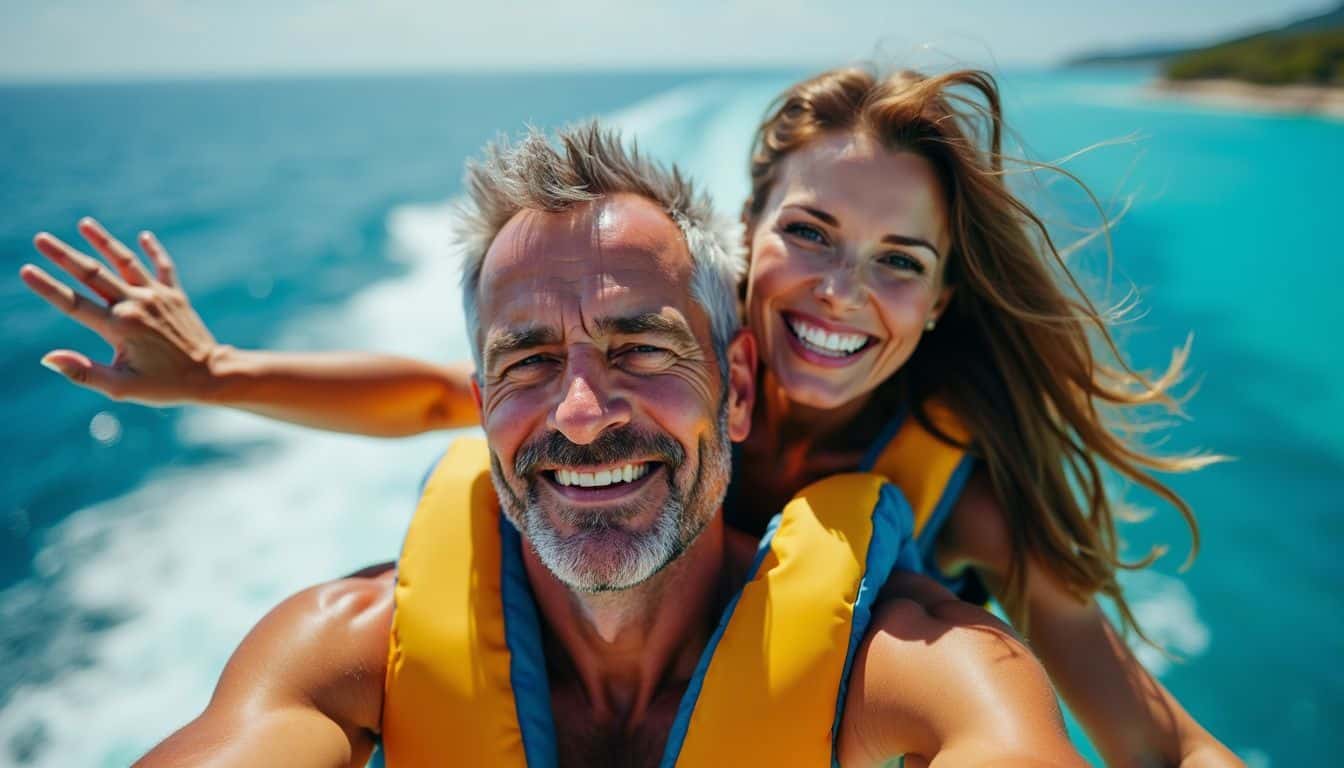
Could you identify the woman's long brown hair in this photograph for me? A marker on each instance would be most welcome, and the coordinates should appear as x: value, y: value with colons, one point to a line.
x: 1022, y: 354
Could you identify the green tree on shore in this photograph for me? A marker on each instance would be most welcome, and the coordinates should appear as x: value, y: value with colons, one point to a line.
x: 1315, y: 58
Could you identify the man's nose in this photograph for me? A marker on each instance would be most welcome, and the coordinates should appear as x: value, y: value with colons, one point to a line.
x: 587, y: 407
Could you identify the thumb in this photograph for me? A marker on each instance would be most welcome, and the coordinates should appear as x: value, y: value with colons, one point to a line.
x: 83, y: 371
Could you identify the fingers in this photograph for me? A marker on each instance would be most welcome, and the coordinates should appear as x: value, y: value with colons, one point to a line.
x: 163, y: 265
x: 112, y: 249
x: 84, y: 372
x: 85, y: 269
x: 61, y: 296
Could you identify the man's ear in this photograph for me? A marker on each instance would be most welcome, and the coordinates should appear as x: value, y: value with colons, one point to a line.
x: 741, y: 384
x: 476, y: 396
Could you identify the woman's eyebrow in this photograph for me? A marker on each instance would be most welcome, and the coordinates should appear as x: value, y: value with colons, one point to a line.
x: 820, y: 214
x: 911, y: 241
x: 893, y: 239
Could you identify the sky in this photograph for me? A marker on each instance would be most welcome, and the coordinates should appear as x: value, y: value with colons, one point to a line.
x: 97, y: 39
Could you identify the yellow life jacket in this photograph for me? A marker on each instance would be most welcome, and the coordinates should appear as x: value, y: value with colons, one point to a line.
x: 466, y: 679
x: 931, y: 474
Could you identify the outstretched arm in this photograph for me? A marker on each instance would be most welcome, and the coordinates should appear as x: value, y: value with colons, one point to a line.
x: 363, y: 393
x: 304, y: 689
x: 1131, y: 718
x: 944, y: 683
x: 166, y: 355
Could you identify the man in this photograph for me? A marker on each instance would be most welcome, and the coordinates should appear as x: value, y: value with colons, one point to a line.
x: 612, y: 376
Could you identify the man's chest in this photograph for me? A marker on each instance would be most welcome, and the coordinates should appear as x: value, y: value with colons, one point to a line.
x: 583, y: 740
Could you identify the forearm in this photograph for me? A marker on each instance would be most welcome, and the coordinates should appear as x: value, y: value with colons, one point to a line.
x: 354, y: 392
x: 165, y: 354
x: 1130, y: 716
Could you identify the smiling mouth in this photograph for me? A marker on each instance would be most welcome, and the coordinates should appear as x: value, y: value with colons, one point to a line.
x: 603, y: 478
x: 826, y: 343
x: 588, y: 485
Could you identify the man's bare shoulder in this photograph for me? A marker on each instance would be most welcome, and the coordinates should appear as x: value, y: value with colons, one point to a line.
x: 333, y: 633
x: 310, y: 671
x: 939, y: 676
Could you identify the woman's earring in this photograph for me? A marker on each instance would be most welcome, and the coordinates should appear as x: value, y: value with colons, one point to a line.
x: 928, y: 326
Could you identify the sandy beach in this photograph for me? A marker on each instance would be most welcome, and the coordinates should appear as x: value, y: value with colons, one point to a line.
x: 1301, y: 99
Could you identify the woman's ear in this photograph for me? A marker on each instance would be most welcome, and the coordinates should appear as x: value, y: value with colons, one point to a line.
x: 741, y: 384
x: 944, y: 299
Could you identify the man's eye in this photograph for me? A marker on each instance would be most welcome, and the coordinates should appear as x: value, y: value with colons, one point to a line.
x: 644, y: 357
x: 903, y: 261
x: 806, y: 232
x: 529, y: 367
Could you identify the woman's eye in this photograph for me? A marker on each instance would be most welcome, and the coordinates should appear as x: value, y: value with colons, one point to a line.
x: 806, y: 232
x: 903, y: 261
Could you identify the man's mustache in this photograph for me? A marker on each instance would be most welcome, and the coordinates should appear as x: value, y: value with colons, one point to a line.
x: 610, y: 447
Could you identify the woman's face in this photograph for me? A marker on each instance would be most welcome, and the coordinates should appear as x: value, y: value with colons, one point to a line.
x: 847, y: 261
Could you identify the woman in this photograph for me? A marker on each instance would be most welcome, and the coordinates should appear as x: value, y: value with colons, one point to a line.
x: 901, y: 296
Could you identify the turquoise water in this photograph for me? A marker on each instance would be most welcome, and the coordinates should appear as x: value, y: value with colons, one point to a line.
x: 309, y: 214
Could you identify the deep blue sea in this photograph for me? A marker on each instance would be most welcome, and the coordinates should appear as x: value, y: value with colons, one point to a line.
x: 138, y: 545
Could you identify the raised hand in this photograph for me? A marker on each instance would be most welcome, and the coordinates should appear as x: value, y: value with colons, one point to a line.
x: 162, y: 349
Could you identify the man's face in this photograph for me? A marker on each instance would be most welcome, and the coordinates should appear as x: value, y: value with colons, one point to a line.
x: 607, y: 419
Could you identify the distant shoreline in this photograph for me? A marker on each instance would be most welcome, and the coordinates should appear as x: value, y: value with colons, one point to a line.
x: 1326, y: 101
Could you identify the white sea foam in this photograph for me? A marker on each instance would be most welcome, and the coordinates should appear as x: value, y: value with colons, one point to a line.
x: 1167, y: 611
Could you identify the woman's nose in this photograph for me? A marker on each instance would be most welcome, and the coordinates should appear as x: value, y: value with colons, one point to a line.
x: 839, y: 289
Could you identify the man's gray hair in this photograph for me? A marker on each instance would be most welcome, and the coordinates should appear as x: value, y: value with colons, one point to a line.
x: 591, y: 163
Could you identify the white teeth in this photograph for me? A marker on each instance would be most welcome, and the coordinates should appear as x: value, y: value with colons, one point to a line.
x: 603, y: 478
x: 834, y: 344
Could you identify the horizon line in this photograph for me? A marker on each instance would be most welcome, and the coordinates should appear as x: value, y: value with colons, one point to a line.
x: 708, y: 68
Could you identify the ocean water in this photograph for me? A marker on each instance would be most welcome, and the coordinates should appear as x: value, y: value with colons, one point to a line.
x: 137, y: 545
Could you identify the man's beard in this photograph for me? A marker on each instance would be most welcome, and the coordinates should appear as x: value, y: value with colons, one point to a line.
x: 602, y: 555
